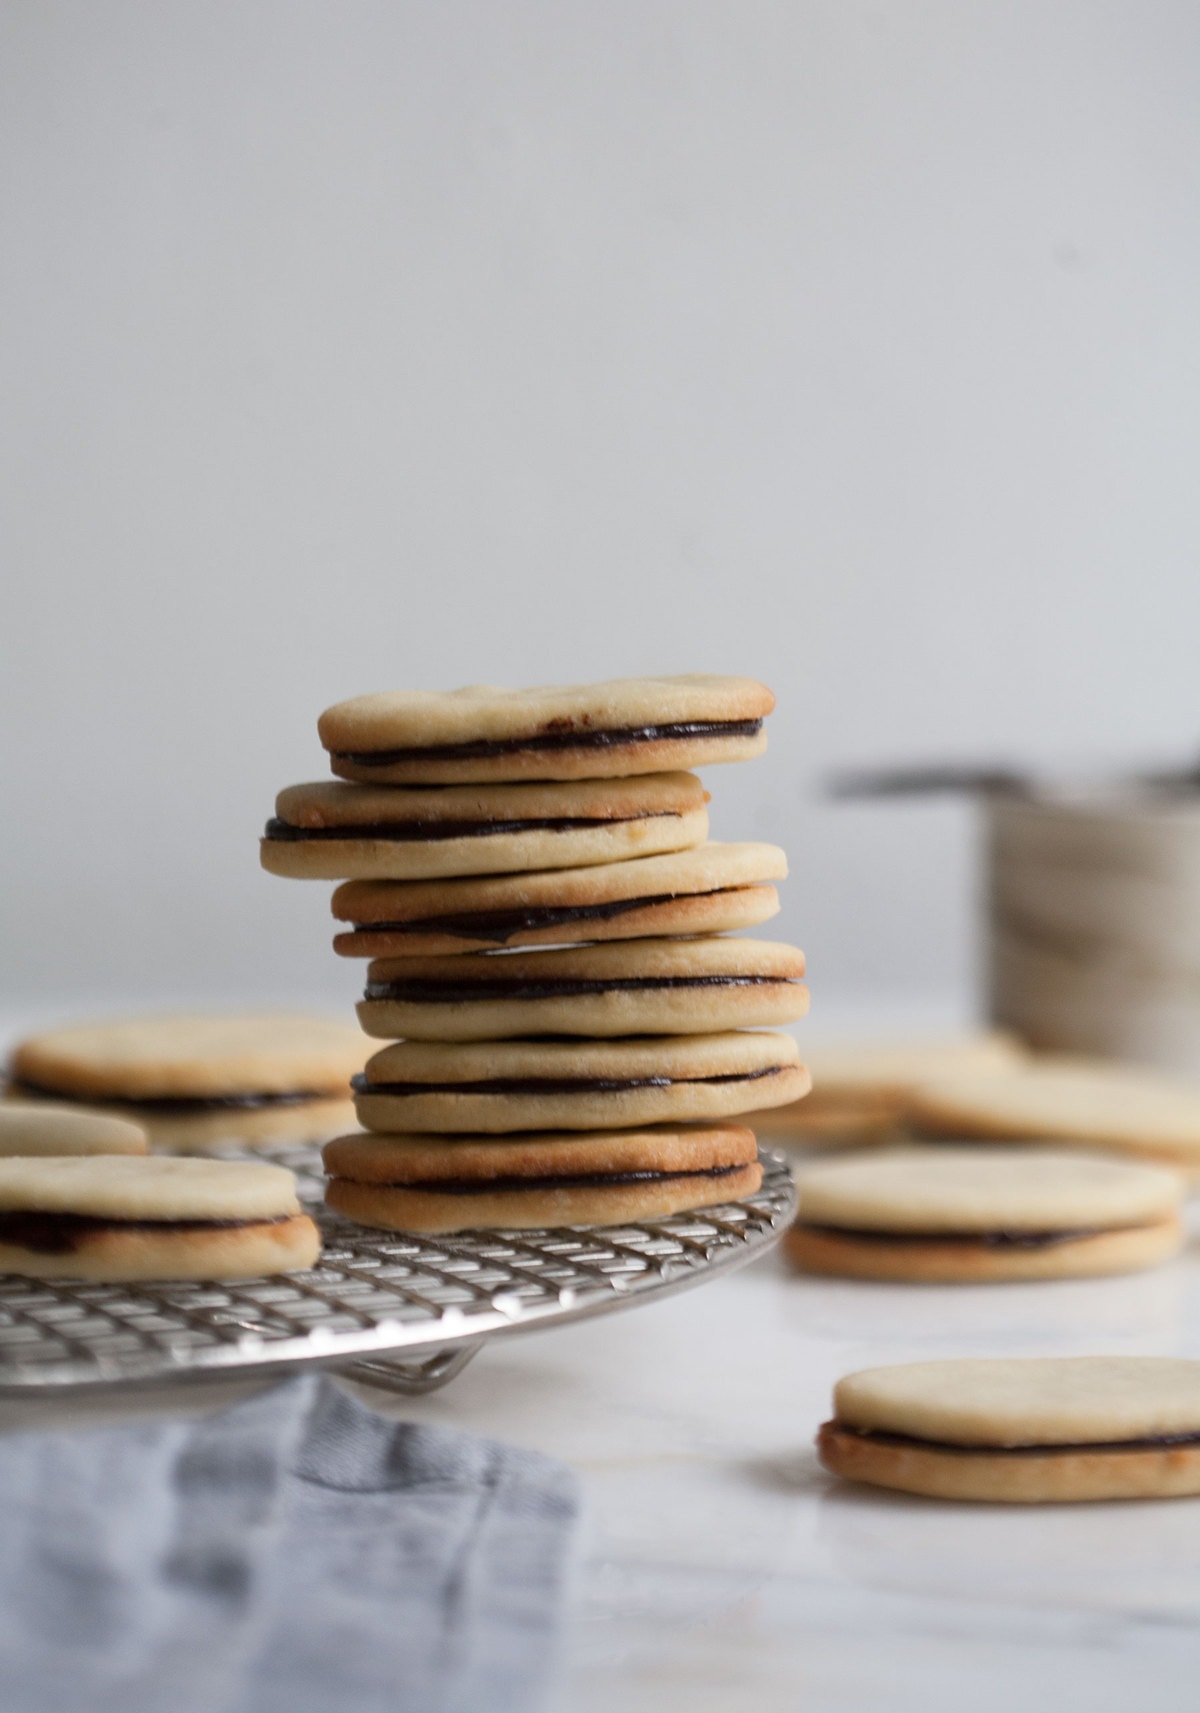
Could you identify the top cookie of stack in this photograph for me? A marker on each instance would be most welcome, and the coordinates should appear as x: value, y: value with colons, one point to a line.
x: 484, y: 822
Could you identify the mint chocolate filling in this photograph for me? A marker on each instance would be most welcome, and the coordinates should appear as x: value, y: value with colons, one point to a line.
x: 879, y: 1436
x: 501, y: 925
x: 63, y: 1233
x: 555, y: 1085
x: 479, y: 748
x: 406, y: 832
x: 429, y: 991
x: 554, y: 1181
x: 166, y: 1104
x: 968, y: 1239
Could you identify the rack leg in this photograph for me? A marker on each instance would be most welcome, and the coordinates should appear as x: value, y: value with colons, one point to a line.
x: 410, y: 1379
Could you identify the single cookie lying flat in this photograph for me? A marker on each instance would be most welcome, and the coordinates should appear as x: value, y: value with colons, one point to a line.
x: 330, y: 831
x: 498, y: 1086
x: 195, y: 1080
x: 34, y: 1128
x: 966, y: 1215
x: 547, y: 1178
x: 581, y: 731
x: 628, y: 987
x: 1101, y: 1105
x: 709, y: 889
x: 1039, y: 1430
x: 116, y: 1218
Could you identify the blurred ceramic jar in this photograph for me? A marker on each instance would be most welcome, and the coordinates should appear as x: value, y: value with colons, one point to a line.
x: 1094, y: 914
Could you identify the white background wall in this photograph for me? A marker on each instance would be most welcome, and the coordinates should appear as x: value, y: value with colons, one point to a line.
x: 348, y: 345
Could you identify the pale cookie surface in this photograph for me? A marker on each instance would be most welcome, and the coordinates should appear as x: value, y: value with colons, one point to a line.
x: 1110, y: 1105
x: 499, y: 1086
x: 711, y: 888
x: 933, y: 1190
x: 152, y: 1188
x: 193, y: 1057
x: 843, y: 1126
x: 885, y: 1070
x: 36, y: 1127
x: 1050, y: 1400
x: 1038, y: 1430
x: 331, y: 831
x: 631, y: 987
x: 614, y: 729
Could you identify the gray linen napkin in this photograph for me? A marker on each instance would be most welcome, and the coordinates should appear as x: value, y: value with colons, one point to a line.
x: 296, y: 1554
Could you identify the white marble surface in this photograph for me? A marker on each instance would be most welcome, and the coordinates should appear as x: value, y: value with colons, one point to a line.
x: 721, y: 1569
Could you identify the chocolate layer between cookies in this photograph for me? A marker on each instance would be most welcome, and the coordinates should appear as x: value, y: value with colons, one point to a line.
x: 553, y: 741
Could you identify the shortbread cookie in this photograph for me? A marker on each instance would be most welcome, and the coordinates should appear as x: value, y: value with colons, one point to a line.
x: 882, y: 1073
x: 628, y: 987
x: 330, y: 831
x: 117, y: 1218
x: 707, y: 890
x: 1143, y: 1113
x: 192, y: 1081
x: 1038, y: 1430
x: 548, y: 1178
x: 498, y: 1086
x: 964, y: 1215
x: 580, y: 731
x: 841, y: 1125
x: 35, y: 1127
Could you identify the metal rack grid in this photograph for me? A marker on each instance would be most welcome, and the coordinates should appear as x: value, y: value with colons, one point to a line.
x: 401, y: 1311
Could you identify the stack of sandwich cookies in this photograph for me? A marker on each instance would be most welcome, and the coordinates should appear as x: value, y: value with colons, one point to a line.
x: 198, y: 1081
x: 529, y: 874
x: 952, y: 1215
x: 709, y: 889
x: 1039, y: 1430
x: 120, y: 1218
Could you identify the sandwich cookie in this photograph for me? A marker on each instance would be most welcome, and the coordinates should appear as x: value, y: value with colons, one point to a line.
x: 1096, y: 1104
x: 1041, y: 1430
x: 531, y: 1181
x: 881, y: 1074
x: 629, y: 987
x: 361, y: 832
x: 583, y: 731
x: 117, y: 1218
x: 828, y: 1126
x: 498, y: 1086
x: 33, y: 1127
x: 967, y: 1215
x: 195, y: 1081
x: 709, y: 889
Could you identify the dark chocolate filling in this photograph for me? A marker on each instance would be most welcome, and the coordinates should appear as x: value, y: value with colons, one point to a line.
x: 553, y: 1181
x: 434, y: 992
x: 877, y: 1436
x: 409, y: 832
x: 554, y: 1085
x: 174, y: 1103
x: 968, y: 1239
x: 500, y: 925
x: 62, y: 1233
x: 573, y: 739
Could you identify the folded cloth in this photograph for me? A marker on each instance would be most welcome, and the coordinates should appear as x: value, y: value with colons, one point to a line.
x: 295, y: 1554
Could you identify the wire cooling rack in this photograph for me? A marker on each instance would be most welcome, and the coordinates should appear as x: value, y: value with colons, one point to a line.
x: 403, y: 1312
